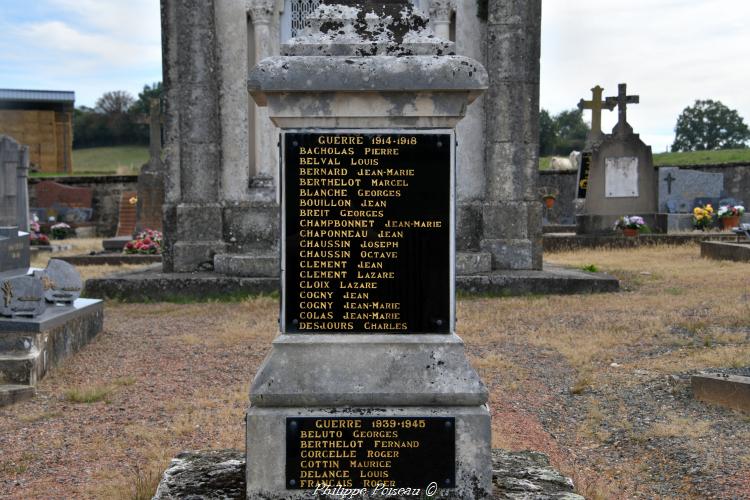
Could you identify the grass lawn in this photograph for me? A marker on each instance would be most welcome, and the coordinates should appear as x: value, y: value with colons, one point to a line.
x: 702, y: 157
x: 121, y: 160
x: 685, y: 159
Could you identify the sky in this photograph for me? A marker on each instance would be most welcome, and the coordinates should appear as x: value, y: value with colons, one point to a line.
x: 669, y: 52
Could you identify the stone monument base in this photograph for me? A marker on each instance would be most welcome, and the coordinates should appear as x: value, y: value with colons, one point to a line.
x: 151, y: 284
x: 267, y: 436
x: 221, y: 474
x: 29, y: 347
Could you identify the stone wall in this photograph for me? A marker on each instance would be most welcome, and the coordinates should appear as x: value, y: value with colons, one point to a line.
x: 564, y: 183
x: 107, y: 191
x: 736, y: 185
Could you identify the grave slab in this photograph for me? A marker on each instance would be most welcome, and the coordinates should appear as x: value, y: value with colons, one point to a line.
x: 679, y: 188
x: 29, y: 347
x: 729, y: 391
x: 726, y: 250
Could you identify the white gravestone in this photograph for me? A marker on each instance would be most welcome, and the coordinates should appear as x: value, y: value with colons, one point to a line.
x: 621, y: 177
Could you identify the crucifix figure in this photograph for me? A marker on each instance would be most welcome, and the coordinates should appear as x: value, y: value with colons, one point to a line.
x: 621, y: 101
x: 669, y: 180
x: 596, y: 105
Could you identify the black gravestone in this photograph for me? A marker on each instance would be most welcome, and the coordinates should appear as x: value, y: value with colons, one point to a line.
x: 368, y: 230
x: 15, y: 254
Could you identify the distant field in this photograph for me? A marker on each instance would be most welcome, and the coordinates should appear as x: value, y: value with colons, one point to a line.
x: 122, y: 160
x: 684, y: 159
x: 703, y: 157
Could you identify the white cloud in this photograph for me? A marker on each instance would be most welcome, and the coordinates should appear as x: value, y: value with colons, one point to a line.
x: 670, y: 52
x: 91, y: 46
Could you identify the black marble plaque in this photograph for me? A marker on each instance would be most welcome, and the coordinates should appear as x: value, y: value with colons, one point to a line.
x: 368, y: 452
x: 583, y: 174
x: 15, y: 254
x: 367, y: 226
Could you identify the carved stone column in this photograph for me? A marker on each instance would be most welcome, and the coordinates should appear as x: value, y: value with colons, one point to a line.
x: 261, y: 14
x: 440, y: 17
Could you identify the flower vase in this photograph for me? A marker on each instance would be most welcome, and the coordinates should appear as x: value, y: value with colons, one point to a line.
x: 630, y: 232
x: 730, y: 222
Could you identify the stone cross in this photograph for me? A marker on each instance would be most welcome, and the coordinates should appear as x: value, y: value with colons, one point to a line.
x: 596, y: 105
x: 670, y: 179
x: 621, y: 101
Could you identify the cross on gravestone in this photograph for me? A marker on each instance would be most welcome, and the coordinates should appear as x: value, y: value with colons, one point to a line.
x: 621, y: 101
x: 596, y: 105
x: 670, y: 179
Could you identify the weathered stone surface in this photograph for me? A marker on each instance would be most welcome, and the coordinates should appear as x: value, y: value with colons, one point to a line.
x: 253, y: 265
x: 367, y: 74
x: 527, y: 475
x: 154, y: 285
x: 678, y: 188
x: 21, y: 296
x: 445, y: 377
x: 31, y: 346
x: 571, y: 241
x: 204, y: 475
x: 367, y: 29
x: 550, y: 280
x: 730, y: 391
x: 726, y: 250
x: 220, y: 474
x: 14, y: 393
x: 471, y: 263
x: 62, y: 282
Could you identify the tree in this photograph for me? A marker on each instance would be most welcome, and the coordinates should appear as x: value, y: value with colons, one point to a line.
x: 709, y: 125
x: 571, y: 132
x: 562, y: 133
x: 547, y: 133
x: 142, y: 106
x: 114, y: 103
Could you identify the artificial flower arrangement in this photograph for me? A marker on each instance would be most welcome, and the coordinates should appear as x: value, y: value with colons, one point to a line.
x: 630, y: 222
x: 730, y: 211
x: 60, y: 231
x: 147, y: 241
x: 703, y: 217
x: 36, y: 237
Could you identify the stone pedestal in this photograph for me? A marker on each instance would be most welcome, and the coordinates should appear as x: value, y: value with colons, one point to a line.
x: 390, y: 79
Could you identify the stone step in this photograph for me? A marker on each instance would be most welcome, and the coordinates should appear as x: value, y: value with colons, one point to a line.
x: 19, y: 368
x: 12, y: 393
x: 252, y: 266
x: 471, y: 263
x: 17, y: 342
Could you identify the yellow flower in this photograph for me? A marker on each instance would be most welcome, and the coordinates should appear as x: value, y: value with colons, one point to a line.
x: 697, y: 210
x: 133, y: 200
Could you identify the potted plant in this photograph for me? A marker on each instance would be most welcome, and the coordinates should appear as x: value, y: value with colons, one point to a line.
x: 703, y: 217
x: 630, y: 225
x: 730, y: 215
x: 549, y: 195
x: 60, y: 231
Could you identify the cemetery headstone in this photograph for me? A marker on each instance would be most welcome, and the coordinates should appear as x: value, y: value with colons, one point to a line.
x: 151, y: 178
x: 21, y: 296
x: 681, y: 190
x: 15, y: 254
x: 62, y: 282
x: 622, y: 179
x: 367, y: 374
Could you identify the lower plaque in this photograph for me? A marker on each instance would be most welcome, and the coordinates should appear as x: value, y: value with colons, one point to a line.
x: 370, y: 452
